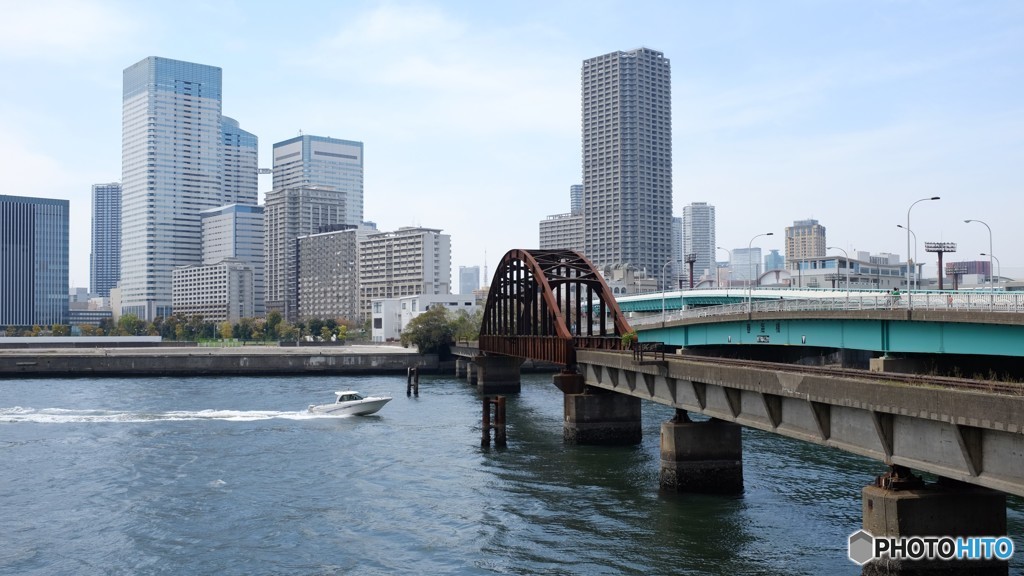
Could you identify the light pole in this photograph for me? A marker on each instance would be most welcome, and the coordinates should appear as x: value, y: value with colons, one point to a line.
x: 719, y: 269
x: 664, y: 285
x: 998, y: 265
x: 991, y: 284
x: 908, y: 237
x: 750, y: 278
x: 917, y: 277
x: 847, y: 270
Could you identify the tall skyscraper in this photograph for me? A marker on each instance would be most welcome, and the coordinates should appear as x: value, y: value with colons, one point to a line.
x: 699, y: 238
x: 33, y: 261
x: 180, y: 156
x: 576, y: 199
x: 679, y: 269
x: 105, y: 258
x: 804, y: 239
x: 746, y: 265
x: 331, y: 163
x: 627, y: 159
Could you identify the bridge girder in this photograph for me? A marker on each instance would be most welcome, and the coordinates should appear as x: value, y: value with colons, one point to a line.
x: 543, y: 304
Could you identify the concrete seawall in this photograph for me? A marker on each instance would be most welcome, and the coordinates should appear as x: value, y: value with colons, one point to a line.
x: 211, y: 361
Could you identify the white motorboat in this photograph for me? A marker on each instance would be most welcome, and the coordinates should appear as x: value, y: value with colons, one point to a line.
x: 350, y: 403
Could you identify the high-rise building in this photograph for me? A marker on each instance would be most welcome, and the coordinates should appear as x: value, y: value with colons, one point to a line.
x: 288, y: 214
x: 180, y: 156
x: 105, y: 258
x: 699, y: 238
x: 328, y: 275
x: 236, y: 231
x: 804, y: 239
x: 576, y: 199
x: 627, y: 159
x: 565, y: 231
x: 33, y: 261
x: 678, y: 265
x: 774, y: 261
x: 407, y: 262
x: 746, y: 265
x: 220, y: 292
x: 307, y: 160
x: 469, y: 279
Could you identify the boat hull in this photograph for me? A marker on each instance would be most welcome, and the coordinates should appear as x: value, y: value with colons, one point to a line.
x: 356, y: 408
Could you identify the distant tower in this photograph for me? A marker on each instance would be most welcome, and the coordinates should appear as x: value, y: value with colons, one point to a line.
x: 325, y: 162
x: 105, y: 259
x: 469, y: 279
x: 576, y: 199
x: 805, y: 239
x: 699, y: 237
x: 627, y: 159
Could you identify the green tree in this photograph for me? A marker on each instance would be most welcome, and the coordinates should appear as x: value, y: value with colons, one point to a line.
x: 272, y: 325
x: 226, y: 331
x: 431, y: 332
x: 467, y: 326
x: 60, y: 330
x: 130, y: 325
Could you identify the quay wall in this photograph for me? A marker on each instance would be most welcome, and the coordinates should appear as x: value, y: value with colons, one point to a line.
x: 205, y: 361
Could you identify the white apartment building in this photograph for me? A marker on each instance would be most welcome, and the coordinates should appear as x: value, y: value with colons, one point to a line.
x: 407, y: 262
x: 220, y: 292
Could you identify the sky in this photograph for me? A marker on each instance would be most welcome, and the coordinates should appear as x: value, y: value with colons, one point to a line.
x: 844, y: 111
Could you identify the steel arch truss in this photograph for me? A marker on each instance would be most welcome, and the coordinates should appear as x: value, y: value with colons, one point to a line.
x: 544, y: 304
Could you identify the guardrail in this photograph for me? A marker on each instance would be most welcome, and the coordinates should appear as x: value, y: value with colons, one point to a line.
x: 964, y: 302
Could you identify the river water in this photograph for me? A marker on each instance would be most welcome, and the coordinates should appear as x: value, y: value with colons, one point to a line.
x: 232, y: 476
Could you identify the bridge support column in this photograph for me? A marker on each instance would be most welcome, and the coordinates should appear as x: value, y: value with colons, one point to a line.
x: 702, y: 457
x: 471, y: 373
x: 460, y: 367
x: 498, y: 374
x: 942, y: 509
x: 605, y: 419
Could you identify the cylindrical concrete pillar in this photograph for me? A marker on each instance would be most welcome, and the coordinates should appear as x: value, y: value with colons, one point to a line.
x: 702, y: 457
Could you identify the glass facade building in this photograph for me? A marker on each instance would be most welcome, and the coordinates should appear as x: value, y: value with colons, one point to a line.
x: 105, y: 257
x: 236, y: 231
x: 699, y: 239
x: 307, y: 160
x: 33, y: 261
x: 627, y: 159
x: 180, y: 156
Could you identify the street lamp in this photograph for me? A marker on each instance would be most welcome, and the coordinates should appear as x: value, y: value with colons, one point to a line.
x: 719, y: 269
x: 998, y: 265
x: 991, y: 284
x: 664, y: 285
x: 847, y: 269
x: 750, y: 278
x: 908, y: 237
x: 917, y: 276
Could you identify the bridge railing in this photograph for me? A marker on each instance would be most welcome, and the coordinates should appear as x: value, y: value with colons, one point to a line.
x: 955, y: 301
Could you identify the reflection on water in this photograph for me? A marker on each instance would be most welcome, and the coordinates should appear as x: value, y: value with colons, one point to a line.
x: 232, y: 476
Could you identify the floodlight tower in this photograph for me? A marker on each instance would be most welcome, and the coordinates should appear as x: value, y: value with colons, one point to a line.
x: 940, y: 248
x: 690, y: 259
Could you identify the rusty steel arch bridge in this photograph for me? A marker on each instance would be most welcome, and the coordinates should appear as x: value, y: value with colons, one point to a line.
x: 546, y: 304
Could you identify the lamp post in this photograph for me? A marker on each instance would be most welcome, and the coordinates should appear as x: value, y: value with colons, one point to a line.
x: 998, y: 265
x: 750, y: 278
x: 719, y: 269
x: 908, y: 237
x: 991, y: 284
x: 664, y: 286
x: 917, y: 277
x: 847, y: 269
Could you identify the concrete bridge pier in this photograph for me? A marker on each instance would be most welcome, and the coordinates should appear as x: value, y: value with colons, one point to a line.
x: 471, y: 372
x: 946, y: 508
x: 601, y: 418
x: 460, y: 367
x: 497, y: 374
x: 701, y: 457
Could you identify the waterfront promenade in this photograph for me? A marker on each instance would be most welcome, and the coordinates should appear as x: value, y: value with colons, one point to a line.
x: 244, y: 360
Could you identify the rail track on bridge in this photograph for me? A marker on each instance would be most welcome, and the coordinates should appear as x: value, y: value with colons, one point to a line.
x: 923, y: 380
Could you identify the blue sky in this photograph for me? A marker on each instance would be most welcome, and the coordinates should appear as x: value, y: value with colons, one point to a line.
x: 842, y: 111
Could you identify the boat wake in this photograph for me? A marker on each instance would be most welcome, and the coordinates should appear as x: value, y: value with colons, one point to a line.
x: 64, y: 416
